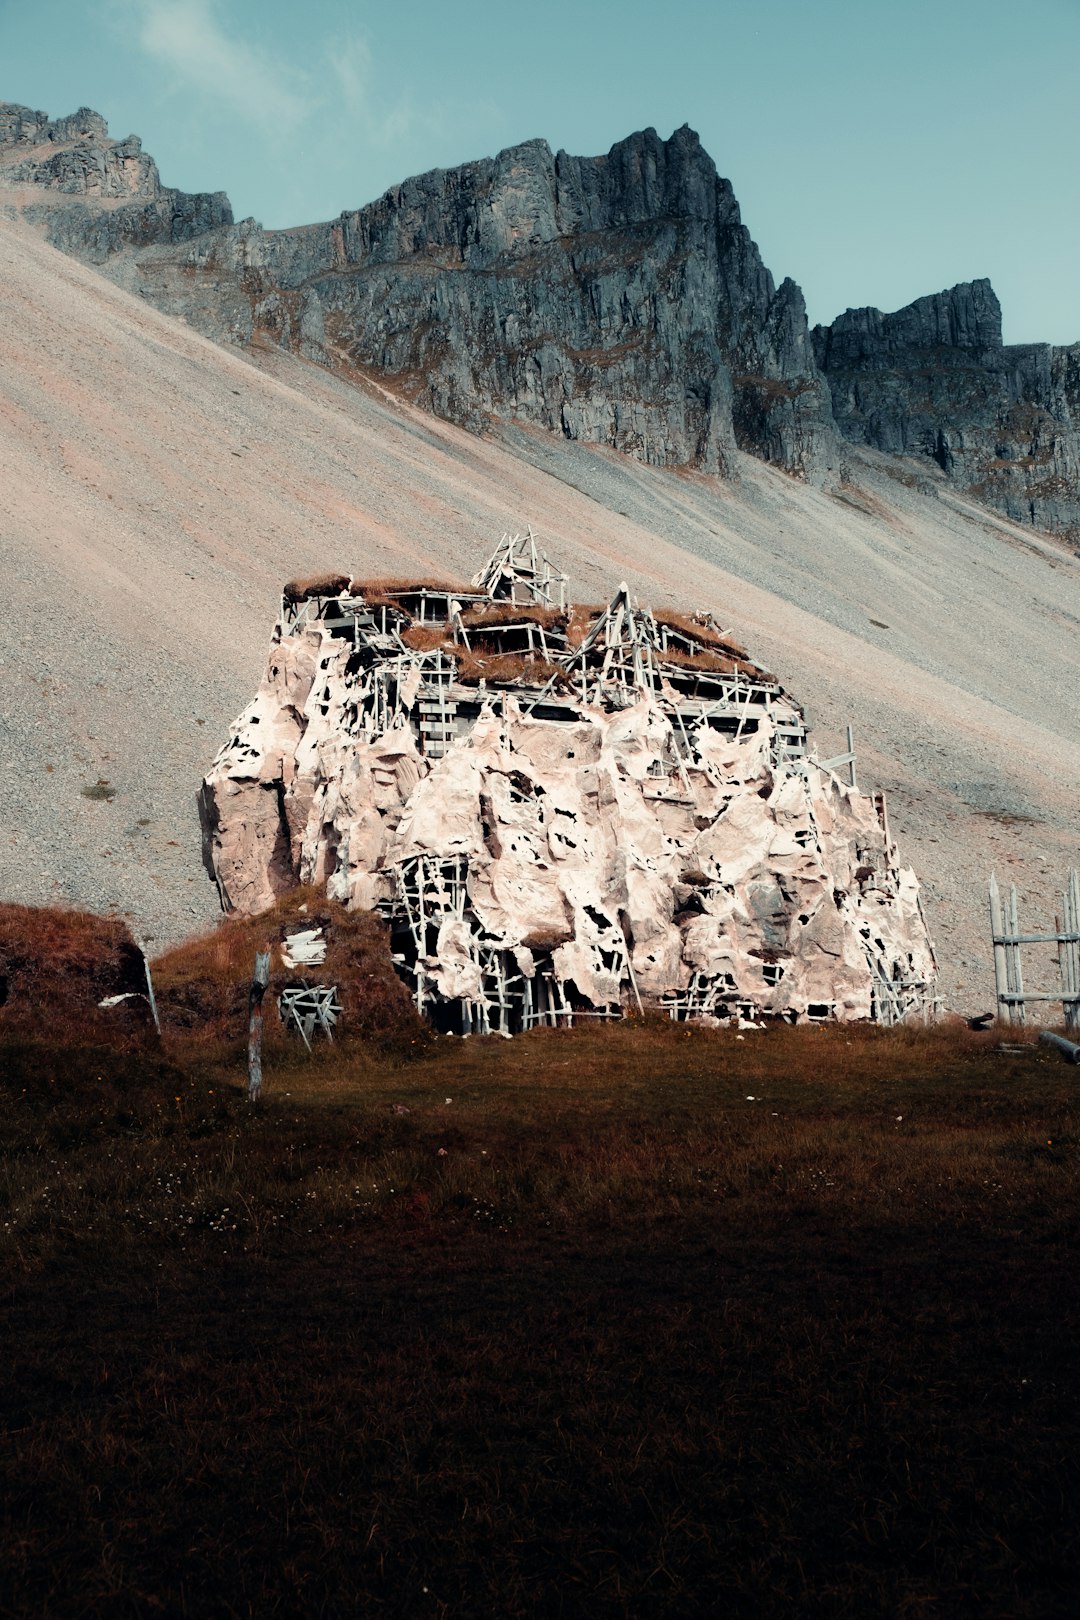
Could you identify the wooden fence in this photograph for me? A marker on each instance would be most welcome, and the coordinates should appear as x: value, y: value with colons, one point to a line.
x: 1012, y: 998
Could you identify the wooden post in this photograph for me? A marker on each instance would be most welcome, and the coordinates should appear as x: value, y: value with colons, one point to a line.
x: 151, y: 998
x: 996, y: 931
x: 1070, y: 950
x: 259, y: 983
x: 1012, y: 960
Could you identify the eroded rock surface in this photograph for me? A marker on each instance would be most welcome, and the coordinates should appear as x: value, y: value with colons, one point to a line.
x: 561, y: 811
x: 95, y: 197
x: 616, y: 300
x: 935, y: 380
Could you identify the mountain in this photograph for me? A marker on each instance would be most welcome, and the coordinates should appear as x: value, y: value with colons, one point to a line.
x: 96, y: 197
x: 614, y: 300
x: 935, y: 381
x: 158, y: 489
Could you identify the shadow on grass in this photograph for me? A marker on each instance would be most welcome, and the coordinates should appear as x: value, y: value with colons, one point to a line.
x: 635, y: 1322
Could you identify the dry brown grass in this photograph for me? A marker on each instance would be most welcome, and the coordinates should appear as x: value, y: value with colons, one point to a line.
x: 496, y: 613
x: 427, y: 638
x: 299, y: 590
x: 705, y: 659
x: 612, y: 1322
x: 499, y: 669
x: 202, y: 986
x: 709, y: 660
x: 56, y: 965
x: 373, y: 589
x: 689, y: 626
x: 510, y: 669
x: 580, y: 620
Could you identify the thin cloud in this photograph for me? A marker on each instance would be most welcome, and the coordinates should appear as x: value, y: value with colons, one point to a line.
x: 349, y: 60
x: 190, y: 39
x: 350, y: 70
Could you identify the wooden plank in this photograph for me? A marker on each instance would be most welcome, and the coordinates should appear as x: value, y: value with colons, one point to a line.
x: 1032, y: 995
x: 151, y: 998
x: 997, y: 928
x: 1012, y: 962
x: 1062, y: 937
x: 260, y: 980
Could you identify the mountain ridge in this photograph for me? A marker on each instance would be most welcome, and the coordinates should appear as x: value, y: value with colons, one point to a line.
x: 615, y: 300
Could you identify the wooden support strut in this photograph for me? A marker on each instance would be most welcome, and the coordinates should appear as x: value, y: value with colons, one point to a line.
x: 997, y: 929
x: 1070, y: 950
x: 259, y: 982
x: 150, y: 996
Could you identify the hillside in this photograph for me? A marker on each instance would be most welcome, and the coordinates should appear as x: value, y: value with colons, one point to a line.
x: 158, y: 489
x: 617, y: 300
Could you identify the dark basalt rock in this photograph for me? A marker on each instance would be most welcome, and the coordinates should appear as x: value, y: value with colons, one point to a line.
x: 935, y: 380
x: 617, y: 300
x: 78, y: 169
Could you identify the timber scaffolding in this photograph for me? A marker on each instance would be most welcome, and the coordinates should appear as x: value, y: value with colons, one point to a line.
x: 430, y: 658
x: 499, y: 996
x: 1006, y: 938
x: 510, y: 632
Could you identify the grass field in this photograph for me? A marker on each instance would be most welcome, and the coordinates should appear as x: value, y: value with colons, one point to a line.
x: 627, y: 1321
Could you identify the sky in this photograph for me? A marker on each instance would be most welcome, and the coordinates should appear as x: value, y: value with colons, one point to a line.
x: 878, y: 151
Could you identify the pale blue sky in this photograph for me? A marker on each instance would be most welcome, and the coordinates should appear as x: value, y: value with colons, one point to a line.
x: 878, y: 151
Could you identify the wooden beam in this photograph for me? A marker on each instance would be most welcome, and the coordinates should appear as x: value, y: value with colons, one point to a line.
x: 260, y: 980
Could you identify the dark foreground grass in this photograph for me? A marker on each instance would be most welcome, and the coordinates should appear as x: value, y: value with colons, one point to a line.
x: 564, y: 1326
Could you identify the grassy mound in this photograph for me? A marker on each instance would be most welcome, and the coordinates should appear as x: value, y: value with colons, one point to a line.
x: 57, y: 965
x: 202, y: 986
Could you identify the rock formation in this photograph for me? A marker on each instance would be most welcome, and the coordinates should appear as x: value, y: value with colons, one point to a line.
x: 561, y: 811
x: 616, y: 300
x: 95, y: 197
x: 935, y: 380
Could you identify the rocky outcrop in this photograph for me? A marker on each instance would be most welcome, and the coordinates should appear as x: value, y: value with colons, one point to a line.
x: 617, y: 300
x: 99, y: 196
x: 561, y: 812
x: 935, y: 380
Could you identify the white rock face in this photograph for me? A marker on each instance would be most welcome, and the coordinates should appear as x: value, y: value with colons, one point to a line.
x: 626, y: 816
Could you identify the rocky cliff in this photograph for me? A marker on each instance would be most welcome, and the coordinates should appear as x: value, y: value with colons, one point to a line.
x: 935, y: 380
x: 616, y: 300
x: 95, y: 197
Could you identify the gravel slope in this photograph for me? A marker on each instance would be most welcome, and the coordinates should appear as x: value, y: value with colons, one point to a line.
x: 155, y: 490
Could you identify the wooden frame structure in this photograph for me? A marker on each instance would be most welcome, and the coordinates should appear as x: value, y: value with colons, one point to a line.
x: 310, y: 1007
x: 516, y: 572
x: 1012, y: 998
